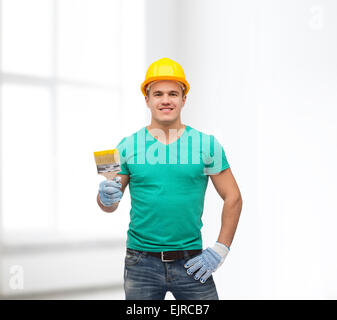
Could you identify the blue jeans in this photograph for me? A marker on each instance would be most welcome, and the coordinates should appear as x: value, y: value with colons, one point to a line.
x: 148, y: 278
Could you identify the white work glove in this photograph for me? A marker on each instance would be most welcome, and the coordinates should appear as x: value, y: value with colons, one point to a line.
x: 207, y: 262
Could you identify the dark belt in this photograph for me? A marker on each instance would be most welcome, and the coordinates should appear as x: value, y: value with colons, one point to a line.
x: 169, y: 256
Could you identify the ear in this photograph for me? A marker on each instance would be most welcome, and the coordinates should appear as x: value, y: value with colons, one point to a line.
x: 184, y: 100
x: 146, y: 99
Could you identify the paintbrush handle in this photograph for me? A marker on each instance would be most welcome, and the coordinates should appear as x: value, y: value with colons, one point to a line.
x: 109, y: 175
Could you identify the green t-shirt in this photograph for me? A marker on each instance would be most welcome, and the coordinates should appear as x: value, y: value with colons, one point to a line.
x: 167, y: 187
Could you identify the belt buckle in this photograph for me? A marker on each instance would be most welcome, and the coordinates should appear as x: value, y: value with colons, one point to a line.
x: 162, y: 258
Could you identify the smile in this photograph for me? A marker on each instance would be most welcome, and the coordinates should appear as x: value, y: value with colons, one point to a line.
x: 166, y: 110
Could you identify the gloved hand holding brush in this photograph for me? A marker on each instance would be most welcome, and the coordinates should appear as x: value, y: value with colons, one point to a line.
x: 108, y: 164
x: 110, y: 192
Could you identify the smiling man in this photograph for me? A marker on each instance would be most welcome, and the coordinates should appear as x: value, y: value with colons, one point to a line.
x: 167, y: 165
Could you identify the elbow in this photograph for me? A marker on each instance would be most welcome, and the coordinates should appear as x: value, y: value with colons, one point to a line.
x: 234, y: 200
x: 240, y: 203
x: 109, y: 209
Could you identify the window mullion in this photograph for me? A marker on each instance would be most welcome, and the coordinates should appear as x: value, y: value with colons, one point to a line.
x: 53, y: 93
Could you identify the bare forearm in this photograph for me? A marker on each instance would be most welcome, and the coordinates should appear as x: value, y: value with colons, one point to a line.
x: 107, y: 209
x: 230, y: 217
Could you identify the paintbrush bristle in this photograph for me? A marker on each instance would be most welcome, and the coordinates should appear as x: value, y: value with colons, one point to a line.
x: 107, y: 161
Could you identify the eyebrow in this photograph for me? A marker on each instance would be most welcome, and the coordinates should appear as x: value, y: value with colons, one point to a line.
x: 171, y: 91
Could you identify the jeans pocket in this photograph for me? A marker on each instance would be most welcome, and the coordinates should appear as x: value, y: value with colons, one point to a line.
x: 132, y: 257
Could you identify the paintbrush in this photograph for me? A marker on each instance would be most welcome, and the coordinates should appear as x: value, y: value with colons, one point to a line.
x: 108, y: 163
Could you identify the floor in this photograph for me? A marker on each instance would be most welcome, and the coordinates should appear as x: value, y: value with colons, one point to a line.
x: 89, y: 294
x: 106, y: 295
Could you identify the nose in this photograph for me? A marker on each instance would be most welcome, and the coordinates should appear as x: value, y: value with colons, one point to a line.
x: 165, y: 101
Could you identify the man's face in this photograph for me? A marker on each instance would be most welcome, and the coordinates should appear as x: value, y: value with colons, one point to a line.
x: 165, y: 101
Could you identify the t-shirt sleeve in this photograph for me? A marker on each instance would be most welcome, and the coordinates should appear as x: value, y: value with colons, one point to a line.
x: 122, y: 156
x: 215, y: 157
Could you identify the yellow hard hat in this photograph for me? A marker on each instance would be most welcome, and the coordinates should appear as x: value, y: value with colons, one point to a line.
x: 165, y: 69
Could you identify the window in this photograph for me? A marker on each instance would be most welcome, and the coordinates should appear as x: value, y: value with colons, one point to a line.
x: 69, y: 69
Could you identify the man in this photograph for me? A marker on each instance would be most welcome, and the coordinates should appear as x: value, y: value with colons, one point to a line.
x: 167, y: 165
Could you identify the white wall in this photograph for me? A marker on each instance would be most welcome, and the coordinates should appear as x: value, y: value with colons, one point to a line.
x: 263, y: 78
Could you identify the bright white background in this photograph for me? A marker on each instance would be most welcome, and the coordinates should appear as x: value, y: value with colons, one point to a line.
x: 263, y: 78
